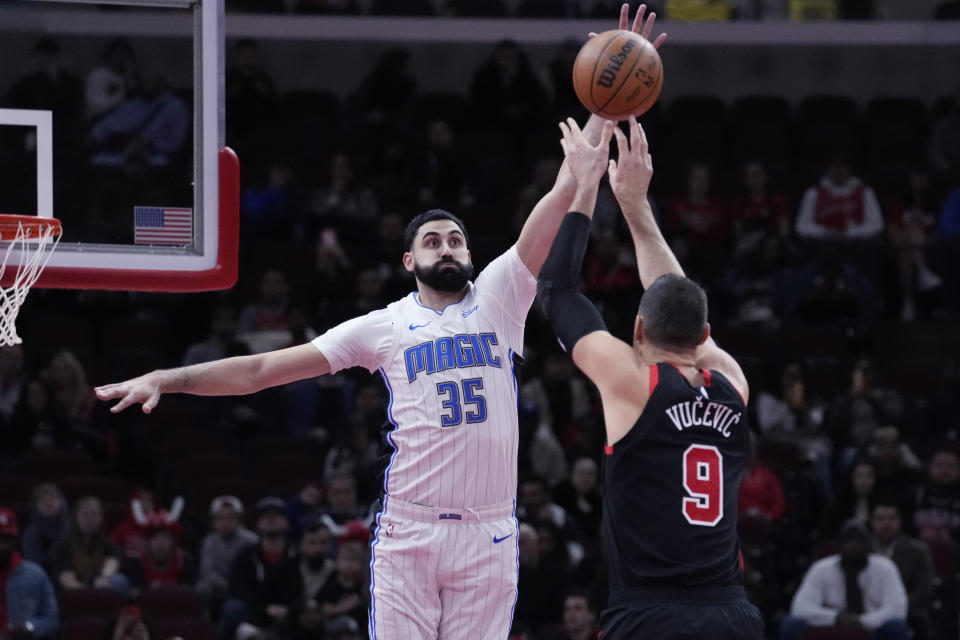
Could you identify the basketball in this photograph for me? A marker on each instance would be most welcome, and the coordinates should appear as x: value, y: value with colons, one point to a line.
x: 617, y: 74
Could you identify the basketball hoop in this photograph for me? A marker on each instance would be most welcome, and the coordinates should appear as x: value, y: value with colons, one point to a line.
x: 34, y: 240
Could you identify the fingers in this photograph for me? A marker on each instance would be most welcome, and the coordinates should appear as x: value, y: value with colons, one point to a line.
x: 648, y: 25
x: 151, y: 402
x: 123, y: 404
x: 644, y: 145
x: 605, y: 134
x: 109, y: 391
x: 612, y: 169
x: 622, y: 147
x: 638, y: 19
x: 563, y: 145
x: 624, y: 16
x: 634, y: 128
x: 592, y: 34
x: 574, y: 127
x: 659, y: 40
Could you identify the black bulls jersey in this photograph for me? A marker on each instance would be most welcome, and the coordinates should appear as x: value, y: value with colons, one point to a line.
x: 671, y: 484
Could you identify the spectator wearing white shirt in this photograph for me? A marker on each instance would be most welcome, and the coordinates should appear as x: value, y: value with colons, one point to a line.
x: 853, y: 589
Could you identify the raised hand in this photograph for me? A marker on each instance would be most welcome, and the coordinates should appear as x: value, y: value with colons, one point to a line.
x: 586, y: 161
x: 144, y: 390
x: 639, y: 26
x: 630, y: 173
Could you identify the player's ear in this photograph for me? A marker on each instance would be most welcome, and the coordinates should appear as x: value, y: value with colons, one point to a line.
x: 638, y: 329
x: 408, y: 261
x: 706, y: 334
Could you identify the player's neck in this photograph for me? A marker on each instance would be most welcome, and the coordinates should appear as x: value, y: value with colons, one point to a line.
x: 438, y: 300
x: 682, y: 360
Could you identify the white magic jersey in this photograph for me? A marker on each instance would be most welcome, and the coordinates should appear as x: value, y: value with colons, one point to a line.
x: 453, y: 391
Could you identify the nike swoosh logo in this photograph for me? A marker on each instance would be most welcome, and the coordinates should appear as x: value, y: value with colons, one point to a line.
x: 467, y: 314
x: 417, y: 326
x: 497, y: 540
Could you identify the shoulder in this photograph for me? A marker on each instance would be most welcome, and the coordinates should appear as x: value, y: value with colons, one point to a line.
x: 882, y: 563
x: 30, y: 570
x: 824, y: 565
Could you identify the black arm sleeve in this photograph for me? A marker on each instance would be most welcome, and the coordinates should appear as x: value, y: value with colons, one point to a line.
x: 570, y: 313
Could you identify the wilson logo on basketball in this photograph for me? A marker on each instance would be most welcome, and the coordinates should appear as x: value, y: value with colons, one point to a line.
x: 609, y: 73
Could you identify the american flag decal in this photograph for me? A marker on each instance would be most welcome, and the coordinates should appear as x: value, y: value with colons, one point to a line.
x: 162, y: 225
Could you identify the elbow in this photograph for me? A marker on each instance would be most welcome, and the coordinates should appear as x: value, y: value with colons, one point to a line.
x: 544, y: 291
x: 254, y: 376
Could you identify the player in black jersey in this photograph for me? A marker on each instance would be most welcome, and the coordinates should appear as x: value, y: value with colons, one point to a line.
x: 676, y: 421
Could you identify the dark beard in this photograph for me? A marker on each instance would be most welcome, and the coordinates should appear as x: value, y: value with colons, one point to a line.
x: 446, y: 280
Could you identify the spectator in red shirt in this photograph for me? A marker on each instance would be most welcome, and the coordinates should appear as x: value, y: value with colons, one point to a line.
x: 757, y: 209
x: 761, y: 494
x: 129, y: 535
x: 163, y: 563
x: 839, y: 207
x: 697, y: 223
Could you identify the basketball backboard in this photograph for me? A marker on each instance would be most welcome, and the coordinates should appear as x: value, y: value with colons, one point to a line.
x: 119, y: 133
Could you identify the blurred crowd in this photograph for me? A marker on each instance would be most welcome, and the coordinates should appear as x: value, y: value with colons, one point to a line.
x: 825, y: 233
x: 672, y: 9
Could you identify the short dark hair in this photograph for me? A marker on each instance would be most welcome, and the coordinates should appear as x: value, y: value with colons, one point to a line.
x: 674, y: 311
x: 581, y: 593
x: 410, y: 233
x: 888, y: 502
x: 315, y: 525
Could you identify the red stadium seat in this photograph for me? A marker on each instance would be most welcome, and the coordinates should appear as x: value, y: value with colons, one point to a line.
x: 944, y: 558
x: 89, y: 603
x: 15, y: 489
x: 50, y: 466
x: 107, y: 489
x: 835, y: 633
x: 84, y: 628
x: 186, y: 628
x: 169, y: 602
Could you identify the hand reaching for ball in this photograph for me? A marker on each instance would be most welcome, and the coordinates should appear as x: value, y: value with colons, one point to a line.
x: 630, y: 173
x: 586, y: 161
x: 639, y: 26
x: 619, y: 72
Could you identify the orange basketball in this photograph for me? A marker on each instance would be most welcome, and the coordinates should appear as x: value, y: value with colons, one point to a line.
x: 617, y: 74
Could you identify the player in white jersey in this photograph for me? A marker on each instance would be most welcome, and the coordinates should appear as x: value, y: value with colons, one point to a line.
x: 444, y: 557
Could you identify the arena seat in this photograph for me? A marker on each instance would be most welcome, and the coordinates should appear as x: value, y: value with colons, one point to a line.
x: 77, y: 604
x: 835, y: 633
x: 52, y: 465
x: 172, y: 602
x: 84, y: 628
x: 187, y: 628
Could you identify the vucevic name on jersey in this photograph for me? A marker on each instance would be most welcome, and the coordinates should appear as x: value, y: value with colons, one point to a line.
x: 671, y: 484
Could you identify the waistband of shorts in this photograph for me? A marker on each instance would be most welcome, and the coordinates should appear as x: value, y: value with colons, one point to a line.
x: 677, y: 595
x: 454, y: 515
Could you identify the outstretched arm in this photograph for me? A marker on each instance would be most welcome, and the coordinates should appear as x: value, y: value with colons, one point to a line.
x: 608, y: 362
x: 630, y: 178
x: 227, y: 377
x: 541, y: 226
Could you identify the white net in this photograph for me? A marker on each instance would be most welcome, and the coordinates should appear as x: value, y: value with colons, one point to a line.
x: 32, y: 247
